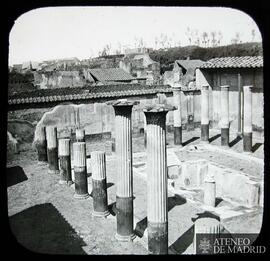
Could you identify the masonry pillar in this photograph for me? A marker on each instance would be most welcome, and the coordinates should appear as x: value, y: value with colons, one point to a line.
x: 80, y: 173
x: 99, y: 184
x: 124, y: 184
x: 210, y: 191
x: 247, y: 137
x: 205, y: 113
x: 190, y: 111
x: 52, y: 149
x: 157, y: 208
x: 65, y: 161
x: 205, y: 225
x: 41, y: 143
x: 224, y: 111
x: 145, y: 132
x: 177, y: 116
x: 80, y: 135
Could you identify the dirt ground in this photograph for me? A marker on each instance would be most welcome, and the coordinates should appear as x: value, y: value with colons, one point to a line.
x: 46, y: 218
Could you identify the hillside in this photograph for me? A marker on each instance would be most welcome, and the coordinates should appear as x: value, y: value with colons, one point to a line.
x: 166, y: 57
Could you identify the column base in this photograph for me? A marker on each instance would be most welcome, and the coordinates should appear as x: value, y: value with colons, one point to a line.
x: 80, y: 176
x: 225, y: 134
x: 101, y: 214
x: 99, y: 195
x: 83, y: 196
x: 247, y: 142
x: 52, y: 154
x: 178, y: 135
x: 157, y: 238
x: 125, y: 238
x: 205, y: 133
x: 124, y: 217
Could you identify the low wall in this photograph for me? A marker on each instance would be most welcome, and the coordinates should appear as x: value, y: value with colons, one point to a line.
x: 230, y: 184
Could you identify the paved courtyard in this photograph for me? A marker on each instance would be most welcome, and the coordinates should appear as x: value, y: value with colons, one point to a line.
x: 46, y: 218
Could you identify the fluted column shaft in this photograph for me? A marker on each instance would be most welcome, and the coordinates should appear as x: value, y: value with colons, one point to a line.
x: 145, y: 132
x: 157, y: 209
x: 99, y: 184
x: 52, y: 149
x: 177, y: 116
x: 247, y: 137
x: 124, y: 186
x: 205, y: 113
x: 224, y: 111
x: 41, y: 143
x: 64, y: 161
x: 80, y: 173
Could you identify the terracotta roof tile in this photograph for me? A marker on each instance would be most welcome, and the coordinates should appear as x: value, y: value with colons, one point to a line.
x: 87, y: 92
x: 234, y: 62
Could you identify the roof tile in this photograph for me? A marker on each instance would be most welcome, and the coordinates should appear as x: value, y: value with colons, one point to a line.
x: 234, y: 62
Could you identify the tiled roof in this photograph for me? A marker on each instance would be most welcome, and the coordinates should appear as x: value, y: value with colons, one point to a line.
x: 190, y: 64
x: 85, y: 93
x: 110, y: 74
x: 234, y: 62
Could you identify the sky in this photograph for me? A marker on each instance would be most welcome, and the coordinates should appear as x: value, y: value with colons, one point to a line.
x: 82, y: 32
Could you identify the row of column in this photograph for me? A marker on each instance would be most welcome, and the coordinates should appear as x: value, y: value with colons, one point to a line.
x: 224, y: 114
x: 57, y: 153
x: 157, y: 209
x: 157, y: 205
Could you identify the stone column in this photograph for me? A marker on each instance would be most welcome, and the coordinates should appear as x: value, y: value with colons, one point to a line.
x: 145, y: 132
x: 80, y: 173
x: 177, y: 116
x: 157, y: 208
x: 99, y: 184
x: 205, y: 225
x: 210, y: 191
x: 124, y: 184
x: 239, y: 131
x: 41, y: 143
x: 80, y: 135
x: 205, y: 113
x: 224, y: 111
x: 52, y: 149
x: 247, y: 137
x: 65, y: 161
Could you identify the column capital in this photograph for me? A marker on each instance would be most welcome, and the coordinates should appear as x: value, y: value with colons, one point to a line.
x: 155, y: 114
x: 122, y: 106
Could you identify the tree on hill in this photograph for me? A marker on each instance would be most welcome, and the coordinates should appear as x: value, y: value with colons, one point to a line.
x: 167, y: 57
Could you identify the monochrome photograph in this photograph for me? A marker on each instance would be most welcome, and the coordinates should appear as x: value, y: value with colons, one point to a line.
x: 135, y: 130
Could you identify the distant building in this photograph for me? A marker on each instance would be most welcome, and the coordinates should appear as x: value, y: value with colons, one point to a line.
x: 107, y: 76
x: 235, y: 72
x: 142, y: 67
x: 30, y: 66
x: 58, y: 79
x: 19, y: 82
x: 105, y: 62
x: 184, y: 72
